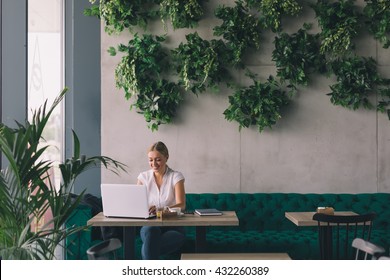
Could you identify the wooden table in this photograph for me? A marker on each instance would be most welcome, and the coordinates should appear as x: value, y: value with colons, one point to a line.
x: 306, y: 218
x: 228, y: 218
x: 236, y: 256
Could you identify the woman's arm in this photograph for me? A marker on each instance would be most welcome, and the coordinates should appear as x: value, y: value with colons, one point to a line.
x: 180, y: 195
x: 152, y: 209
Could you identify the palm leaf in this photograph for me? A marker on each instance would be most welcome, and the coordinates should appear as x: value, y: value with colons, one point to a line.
x: 27, y: 192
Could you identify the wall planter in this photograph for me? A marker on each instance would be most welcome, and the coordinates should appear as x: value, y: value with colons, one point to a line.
x: 272, y: 11
x: 377, y: 18
x: 141, y: 74
x: 296, y: 55
x: 240, y: 29
x: 159, y: 102
x: 259, y: 104
x: 182, y: 14
x: 199, y: 65
x: 357, y: 78
x: 119, y: 15
x: 340, y: 23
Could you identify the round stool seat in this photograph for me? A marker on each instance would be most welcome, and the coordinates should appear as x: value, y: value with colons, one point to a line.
x: 102, y: 250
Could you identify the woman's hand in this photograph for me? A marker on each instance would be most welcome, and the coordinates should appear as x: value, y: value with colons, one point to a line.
x: 152, y: 210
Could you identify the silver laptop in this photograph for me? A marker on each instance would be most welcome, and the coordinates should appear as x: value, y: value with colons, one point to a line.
x: 125, y: 200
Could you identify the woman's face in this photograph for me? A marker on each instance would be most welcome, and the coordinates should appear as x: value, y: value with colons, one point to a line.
x: 157, y: 161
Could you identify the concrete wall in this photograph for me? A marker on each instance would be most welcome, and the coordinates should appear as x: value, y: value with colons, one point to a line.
x: 315, y: 147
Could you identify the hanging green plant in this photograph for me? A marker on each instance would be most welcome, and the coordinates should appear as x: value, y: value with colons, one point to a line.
x: 273, y: 11
x: 140, y: 75
x: 377, y: 13
x: 339, y: 22
x: 357, y: 78
x: 240, y: 29
x: 144, y: 60
x: 119, y: 15
x: 159, y: 102
x: 259, y: 104
x: 145, y: 71
x: 201, y: 63
x: 296, y: 55
x: 183, y: 14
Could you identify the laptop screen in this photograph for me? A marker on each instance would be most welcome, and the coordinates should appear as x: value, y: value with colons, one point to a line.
x: 125, y: 200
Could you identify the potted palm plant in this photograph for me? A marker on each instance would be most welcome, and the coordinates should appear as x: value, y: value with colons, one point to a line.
x: 27, y: 191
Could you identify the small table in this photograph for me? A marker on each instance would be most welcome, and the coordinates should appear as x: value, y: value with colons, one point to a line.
x: 236, y: 256
x: 306, y: 218
x: 228, y: 218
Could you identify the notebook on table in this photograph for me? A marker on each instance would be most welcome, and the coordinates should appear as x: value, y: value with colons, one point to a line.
x: 125, y: 201
x: 208, y: 212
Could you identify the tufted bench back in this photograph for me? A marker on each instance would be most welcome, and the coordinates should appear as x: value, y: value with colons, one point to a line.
x: 265, y: 211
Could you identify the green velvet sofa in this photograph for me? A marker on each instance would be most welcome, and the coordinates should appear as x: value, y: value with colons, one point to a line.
x: 262, y: 223
x: 264, y: 228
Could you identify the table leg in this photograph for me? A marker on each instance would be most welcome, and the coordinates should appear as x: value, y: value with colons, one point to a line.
x: 200, y: 241
x: 129, y: 243
x: 326, y: 243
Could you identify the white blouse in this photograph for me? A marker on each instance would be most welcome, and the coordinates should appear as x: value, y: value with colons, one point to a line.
x: 165, y: 196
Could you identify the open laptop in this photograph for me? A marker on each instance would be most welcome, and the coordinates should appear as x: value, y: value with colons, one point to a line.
x: 125, y: 200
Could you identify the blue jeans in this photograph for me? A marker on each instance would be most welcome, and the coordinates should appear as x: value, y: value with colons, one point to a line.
x: 160, y: 240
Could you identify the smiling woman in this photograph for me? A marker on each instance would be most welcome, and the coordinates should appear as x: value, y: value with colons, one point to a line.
x: 165, y: 188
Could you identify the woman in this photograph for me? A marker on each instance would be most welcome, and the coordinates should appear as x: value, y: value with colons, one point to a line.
x: 165, y: 189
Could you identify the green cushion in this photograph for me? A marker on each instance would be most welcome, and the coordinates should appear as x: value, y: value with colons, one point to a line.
x: 76, y: 245
x: 265, y: 211
x: 262, y: 223
x: 264, y: 228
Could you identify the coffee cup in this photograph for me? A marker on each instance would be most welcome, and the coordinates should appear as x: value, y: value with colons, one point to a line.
x: 175, y: 209
x: 159, y: 212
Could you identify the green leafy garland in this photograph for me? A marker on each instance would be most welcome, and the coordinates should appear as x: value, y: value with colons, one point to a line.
x: 259, y: 104
x: 201, y: 63
x: 183, y: 14
x: 119, y: 15
x: 296, y: 55
x: 340, y: 23
x: 357, y: 78
x: 273, y: 10
x: 159, y: 102
x: 143, y: 61
x: 139, y: 74
x: 239, y: 28
x: 205, y: 64
x: 377, y: 13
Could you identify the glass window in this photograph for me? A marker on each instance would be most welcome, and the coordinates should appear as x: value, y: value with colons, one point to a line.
x: 45, y: 80
x: 45, y: 69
